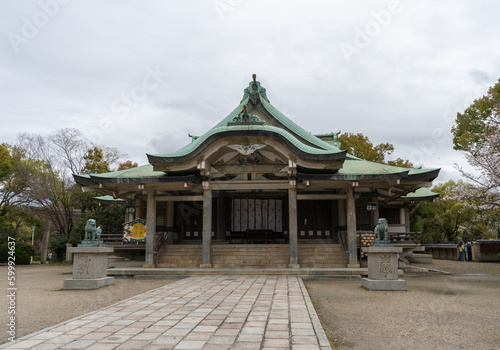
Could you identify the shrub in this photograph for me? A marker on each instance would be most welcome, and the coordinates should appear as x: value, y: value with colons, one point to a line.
x: 57, y: 244
x: 21, y: 255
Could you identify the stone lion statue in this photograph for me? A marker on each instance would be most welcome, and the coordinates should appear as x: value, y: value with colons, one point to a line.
x: 92, y: 231
x: 381, y: 230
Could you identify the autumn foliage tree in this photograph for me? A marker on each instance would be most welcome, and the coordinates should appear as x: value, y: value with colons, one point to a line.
x: 360, y: 146
x: 128, y: 164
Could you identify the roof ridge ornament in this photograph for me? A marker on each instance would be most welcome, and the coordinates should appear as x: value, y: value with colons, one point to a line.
x: 254, y: 91
x: 193, y: 137
x: 245, y: 118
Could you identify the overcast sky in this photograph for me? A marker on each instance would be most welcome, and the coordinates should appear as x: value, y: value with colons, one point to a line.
x: 141, y: 75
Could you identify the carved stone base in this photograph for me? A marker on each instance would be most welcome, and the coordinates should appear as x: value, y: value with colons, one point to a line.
x: 90, y: 265
x: 383, y: 284
x: 382, y: 262
x: 95, y: 283
x: 383, y: 269
x: 89, y: 243
x: 148, y: 266
x: 205, y: 266
x: 294, y: 266
x: 353, y: 266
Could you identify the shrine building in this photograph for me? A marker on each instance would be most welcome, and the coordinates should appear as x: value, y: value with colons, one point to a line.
x: 257, y: 179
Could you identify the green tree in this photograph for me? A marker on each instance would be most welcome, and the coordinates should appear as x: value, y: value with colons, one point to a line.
x: 477, y: 132
x: 360, y: 146
x: 473, y: 126
x: 108, y: 216
x: 95, y: 161
x: 12, y: 188
x: 6, y: 161
x: 449, y: 217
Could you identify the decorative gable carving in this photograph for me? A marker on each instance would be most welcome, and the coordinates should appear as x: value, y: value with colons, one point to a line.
x: 254, y: 91
x: 245, y: 118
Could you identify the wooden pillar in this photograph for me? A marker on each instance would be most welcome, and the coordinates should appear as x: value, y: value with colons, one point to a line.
x: 150, y: 229
x: 292, y: 224
x: 138, y: 206
x: 407, y: 218
x: 351, y: 229
x: 207, y: 226
x: 375, y: 214
x: 221, y: 234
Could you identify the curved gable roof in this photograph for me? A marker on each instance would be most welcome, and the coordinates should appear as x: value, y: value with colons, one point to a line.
x: 279, y: 127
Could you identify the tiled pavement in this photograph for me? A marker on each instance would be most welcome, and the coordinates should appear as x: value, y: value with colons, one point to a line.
x: 211, y: 312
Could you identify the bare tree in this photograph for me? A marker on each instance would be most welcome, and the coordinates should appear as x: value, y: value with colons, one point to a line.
x: 70, y: 146
x: 46, y: 169
x: 49, y: 185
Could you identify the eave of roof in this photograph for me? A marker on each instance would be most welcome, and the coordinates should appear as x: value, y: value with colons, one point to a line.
x: 358, y: 169
x: 421, y: 194
x: 196, y: 148
x: 141, y: 174
x: 300, y: 142
x: 110, y: 200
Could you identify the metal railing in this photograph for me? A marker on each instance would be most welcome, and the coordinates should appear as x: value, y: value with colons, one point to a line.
x: 160, y: 239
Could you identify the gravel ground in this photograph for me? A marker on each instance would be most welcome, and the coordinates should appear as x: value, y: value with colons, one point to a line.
x: 460, y: 311
x: 41, y: 302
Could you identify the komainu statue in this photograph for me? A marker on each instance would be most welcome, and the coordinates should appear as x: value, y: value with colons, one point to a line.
x: 91, y: 231
x: 382, y: 233
x: 381, y: 229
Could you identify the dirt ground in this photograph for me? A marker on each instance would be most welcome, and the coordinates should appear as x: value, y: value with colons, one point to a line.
x: 459, y: 311
x: 41, y: 302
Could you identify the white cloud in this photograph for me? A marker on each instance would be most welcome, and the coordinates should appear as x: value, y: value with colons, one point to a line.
x: 429, y: 62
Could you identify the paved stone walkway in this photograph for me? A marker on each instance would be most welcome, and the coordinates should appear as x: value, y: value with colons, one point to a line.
x: 211, y: 312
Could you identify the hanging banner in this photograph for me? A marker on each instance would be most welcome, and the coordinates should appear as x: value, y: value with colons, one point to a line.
x: 257, y: 214
x: 134, y: 231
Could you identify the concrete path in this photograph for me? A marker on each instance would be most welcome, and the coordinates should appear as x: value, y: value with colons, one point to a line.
x: 210, y: 312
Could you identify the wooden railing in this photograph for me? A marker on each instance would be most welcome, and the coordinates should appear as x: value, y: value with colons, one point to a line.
x: 404, y: 237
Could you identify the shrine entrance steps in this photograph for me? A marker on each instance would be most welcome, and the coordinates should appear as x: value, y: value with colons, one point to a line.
x: 253, y: 256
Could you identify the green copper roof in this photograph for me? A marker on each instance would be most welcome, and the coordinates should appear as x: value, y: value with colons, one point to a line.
x: 110, y: 200
x: 297, y: 130
x: 280, y: 124
x: 196, y: 143
x: 144, y: 174
x: 359, y: 169
x: 137, y: 172
x: 422, y: 193
x: 261, y: 119
x: 360, y: 166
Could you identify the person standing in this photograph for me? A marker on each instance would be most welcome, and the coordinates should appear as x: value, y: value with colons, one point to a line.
x: 49, y: 256
x: 468, y: 251
x: 461, y: 251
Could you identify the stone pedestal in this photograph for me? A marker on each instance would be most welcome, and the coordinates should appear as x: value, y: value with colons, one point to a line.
x: 383, y: 269
x: 90, y: 266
